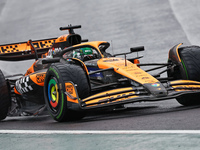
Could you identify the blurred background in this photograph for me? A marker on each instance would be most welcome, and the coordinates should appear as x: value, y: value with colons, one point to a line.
x: 156, y: 24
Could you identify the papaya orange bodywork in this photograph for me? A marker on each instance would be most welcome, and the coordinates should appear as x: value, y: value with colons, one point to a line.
x: 109, y: 97
x: 16, y: 92
x: 84, y: 66
x: 61, y: 38
x: 30, y: 70
x: 69, y: 87
x: 25, y: 46
x: 131, y: 71
x: 184, y: 82
x: 183, y: 85
x: 177, y: 51
x: 107, y: 92
x: 38, y: 78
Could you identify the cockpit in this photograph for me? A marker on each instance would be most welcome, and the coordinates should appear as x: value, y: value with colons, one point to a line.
x: 83, y: 53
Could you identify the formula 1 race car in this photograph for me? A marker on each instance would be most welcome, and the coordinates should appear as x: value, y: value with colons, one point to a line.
x: 71, y: 76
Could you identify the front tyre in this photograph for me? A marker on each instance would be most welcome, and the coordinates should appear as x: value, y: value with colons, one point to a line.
x: 189, y: 100
x: 54, y: 89
x: 190, y: 57
x: 188, y: 69
x: 5, y: 99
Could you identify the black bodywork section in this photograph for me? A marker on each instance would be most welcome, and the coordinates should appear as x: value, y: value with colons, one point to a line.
x: 177, y: 69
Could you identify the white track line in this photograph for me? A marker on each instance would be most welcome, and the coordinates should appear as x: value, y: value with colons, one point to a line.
x: 99, y: 131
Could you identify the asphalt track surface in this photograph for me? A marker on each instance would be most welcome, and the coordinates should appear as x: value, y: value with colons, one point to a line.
x: 156, y: 24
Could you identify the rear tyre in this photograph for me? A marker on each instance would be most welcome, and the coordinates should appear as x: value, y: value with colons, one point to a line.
x: 54, y: 89
x: 5, y: 99
x: 190, y: 70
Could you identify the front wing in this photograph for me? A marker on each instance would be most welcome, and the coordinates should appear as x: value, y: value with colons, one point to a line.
x: 135, y: 94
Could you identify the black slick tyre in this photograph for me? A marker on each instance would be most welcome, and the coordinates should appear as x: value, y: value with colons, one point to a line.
x: 190, y: 59
x: 5, y: 99
x: 54, y: 89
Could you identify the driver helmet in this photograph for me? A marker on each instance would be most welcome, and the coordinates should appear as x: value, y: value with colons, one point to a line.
x: 82, y: 52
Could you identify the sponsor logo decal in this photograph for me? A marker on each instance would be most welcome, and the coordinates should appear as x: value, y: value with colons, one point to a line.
x: 69, y: 88
x: 40, y: 78
x: 155, y: 85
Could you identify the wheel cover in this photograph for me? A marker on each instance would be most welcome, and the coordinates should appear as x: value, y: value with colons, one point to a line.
x: 53, y: 93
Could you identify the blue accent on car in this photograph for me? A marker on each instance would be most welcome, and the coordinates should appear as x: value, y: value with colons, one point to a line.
x: 90, y: 69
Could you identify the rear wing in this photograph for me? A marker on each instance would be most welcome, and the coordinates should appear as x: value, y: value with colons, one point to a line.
x: 35, y: 49
x: 22, y: 50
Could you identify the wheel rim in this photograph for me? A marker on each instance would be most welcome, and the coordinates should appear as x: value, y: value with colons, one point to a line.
x: 53, y: 94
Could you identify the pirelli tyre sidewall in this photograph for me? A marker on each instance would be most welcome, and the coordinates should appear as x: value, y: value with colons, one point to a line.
x: 54, y: 89
x: 5, y: 99
x: 190, y: 70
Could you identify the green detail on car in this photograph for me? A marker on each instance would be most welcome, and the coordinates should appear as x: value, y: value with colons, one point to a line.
x: 61, y: 107
x: 51, y: 69
x: 184, y: 68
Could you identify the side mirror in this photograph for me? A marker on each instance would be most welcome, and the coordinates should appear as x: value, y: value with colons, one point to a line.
x: 137, y: 49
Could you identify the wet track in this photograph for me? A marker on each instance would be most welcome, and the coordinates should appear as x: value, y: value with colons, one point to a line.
x: 167, y: 115
x: 156, y: 24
